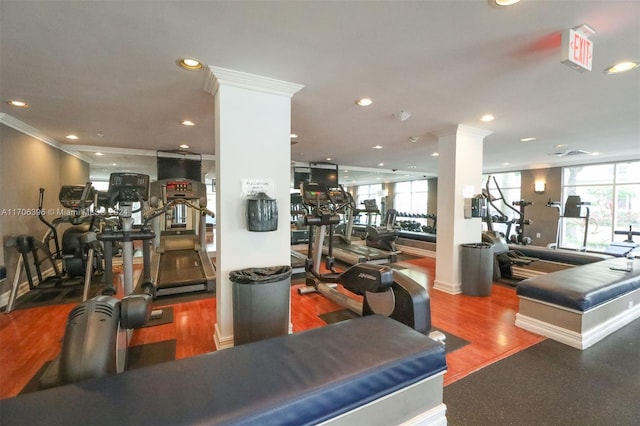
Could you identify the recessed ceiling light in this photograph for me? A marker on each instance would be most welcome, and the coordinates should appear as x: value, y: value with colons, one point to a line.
x: 187, y: 123
x: 506, y: 164
x: 380, y: 164
x: 621, y: 67
x: 527, y: 139
x: 502, y: 3
x: 184, y: 146
x: 99, y: 154
x: 113, y: 164
x: 190, y: 64
x: 594, y: 153
x: 435, y: 154
x: 72, y: 137
x: 377, y: 147
x: 561, y: 145
x: 18, y: 104
x: 413, y: 167
x: 328, y: 158
x: 487, y: 117
x: 293, y: 135
x: 364, y: 101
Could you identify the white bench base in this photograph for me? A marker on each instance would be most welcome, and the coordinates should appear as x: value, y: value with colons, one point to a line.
x: 417, y: 405
x: 576, y: 328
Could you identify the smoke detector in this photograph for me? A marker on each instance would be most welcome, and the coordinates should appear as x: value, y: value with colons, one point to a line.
x: 414, y: 139
x: 402, y: 115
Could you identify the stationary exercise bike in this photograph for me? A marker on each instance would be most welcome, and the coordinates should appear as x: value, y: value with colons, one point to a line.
x: 384, y: 290
x: 98, y: 330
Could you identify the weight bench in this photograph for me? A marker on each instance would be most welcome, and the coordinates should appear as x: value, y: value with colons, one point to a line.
x: 370, y: 370
x: 580, y: 306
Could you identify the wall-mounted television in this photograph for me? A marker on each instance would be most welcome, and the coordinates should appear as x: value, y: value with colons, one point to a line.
x: 325, y: 174
x: 178, y: 165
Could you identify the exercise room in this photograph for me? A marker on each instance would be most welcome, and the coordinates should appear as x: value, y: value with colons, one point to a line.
x: 304, y: 212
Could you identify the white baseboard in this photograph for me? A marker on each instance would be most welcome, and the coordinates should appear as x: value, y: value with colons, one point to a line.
x: 433, y: 417
x: 222, y: 342
x: 446, y: 287
x: 416, y: 251
x: 578, y: 340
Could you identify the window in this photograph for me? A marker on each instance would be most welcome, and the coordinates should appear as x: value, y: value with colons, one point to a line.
x: 411, y: 197
x: 612, y: 192
x: 501, y: 207
x: 369, y: 192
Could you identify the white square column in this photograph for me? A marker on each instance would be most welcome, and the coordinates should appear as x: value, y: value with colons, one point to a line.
x: 252, y: 143
x: 459, y: 173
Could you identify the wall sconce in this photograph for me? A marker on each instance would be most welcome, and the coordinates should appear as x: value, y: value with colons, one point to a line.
x: 539, y: 187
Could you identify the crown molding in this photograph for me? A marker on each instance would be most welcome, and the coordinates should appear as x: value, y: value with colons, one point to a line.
x: 217, y: 76
x: 24, y: 128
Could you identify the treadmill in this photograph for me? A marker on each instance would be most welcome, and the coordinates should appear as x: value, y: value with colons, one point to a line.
x: 180, y: 263
x: 343, y: 249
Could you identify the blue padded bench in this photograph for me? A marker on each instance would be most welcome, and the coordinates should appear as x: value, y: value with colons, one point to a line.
x: 569, y: 257
x: 369, y: 370
x: 582, y: 305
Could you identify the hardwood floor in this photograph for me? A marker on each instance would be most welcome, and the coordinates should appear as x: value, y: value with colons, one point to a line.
x: 30, y: 337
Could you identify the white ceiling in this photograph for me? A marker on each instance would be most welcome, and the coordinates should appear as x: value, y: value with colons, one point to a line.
x: 109, y: 67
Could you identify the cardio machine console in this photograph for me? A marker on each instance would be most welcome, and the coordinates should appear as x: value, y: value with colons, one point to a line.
x: 180, y: 189
x: 74, y: 196
x: 129, y: 187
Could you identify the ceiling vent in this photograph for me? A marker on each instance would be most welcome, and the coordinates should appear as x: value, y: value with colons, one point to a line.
x: 570, y: 152
x: 402, y: 115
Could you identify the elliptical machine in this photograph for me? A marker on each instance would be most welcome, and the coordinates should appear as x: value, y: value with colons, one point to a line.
x: 384, y: 290
x: 98, y: 330
x: 74, y: 259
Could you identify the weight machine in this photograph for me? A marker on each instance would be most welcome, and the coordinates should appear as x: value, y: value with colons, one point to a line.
x: 573, y: 209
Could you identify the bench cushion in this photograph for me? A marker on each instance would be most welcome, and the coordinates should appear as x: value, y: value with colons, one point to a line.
x: 298, y: 379
x: 559, y: 255
x: 583, y: 287
x: 420, y: 236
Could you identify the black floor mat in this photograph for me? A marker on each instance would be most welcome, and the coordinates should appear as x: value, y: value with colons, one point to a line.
x: 554, y: 384
x: 452, y: 342
x: 182, y: 298
x: 137, y: 357
x: 58, y: 295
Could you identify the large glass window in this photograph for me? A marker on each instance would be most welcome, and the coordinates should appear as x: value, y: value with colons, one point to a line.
x: 369, y: 192
x: 411, y: 197
x: 611, y: 193
x: 504, y: 189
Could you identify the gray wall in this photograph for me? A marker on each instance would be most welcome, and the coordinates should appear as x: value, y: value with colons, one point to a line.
x: 27, y: 164
x: 544, y: 219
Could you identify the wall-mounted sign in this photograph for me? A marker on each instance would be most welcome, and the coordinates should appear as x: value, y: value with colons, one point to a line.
x: 577, y: 49
x: 251, y: 187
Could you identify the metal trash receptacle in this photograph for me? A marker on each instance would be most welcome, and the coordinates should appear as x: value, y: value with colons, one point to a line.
x: 477, y: 269
x: 260, y: 303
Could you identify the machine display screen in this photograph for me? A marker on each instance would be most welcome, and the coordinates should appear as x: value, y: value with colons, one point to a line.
x: 179, y: 186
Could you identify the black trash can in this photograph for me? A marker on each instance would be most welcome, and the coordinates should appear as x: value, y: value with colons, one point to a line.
x: 260, y: 303
x: 477, y: 269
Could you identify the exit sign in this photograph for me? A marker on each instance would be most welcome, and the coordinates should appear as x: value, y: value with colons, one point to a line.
x: 577, y: 49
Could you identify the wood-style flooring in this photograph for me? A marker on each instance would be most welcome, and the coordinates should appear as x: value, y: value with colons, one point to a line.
x: 30, y: 337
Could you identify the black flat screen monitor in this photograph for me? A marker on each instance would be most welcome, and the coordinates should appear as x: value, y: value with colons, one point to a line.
x: 172, y: 168
x: 322, y: 176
